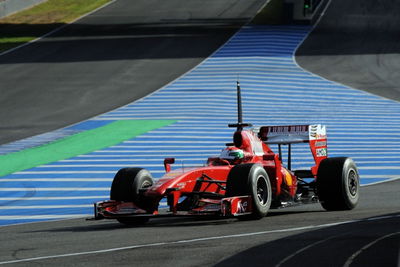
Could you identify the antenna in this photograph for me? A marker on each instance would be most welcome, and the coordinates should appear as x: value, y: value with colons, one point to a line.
x: 239, y: 103
x: 239, y: 125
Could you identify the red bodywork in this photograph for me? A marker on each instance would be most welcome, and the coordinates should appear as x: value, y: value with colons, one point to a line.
x: 207, y: 184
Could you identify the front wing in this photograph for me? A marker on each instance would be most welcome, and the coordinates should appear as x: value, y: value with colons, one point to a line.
x: 225, y: 207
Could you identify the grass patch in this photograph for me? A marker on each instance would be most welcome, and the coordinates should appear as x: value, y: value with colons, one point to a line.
x: 32, y: 23
x: 11, y: 42
x: 78, y: 144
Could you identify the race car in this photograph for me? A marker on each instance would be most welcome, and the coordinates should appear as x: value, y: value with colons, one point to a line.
x: 245, y: 181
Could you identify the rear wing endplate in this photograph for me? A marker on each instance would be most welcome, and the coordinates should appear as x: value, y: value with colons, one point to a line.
x: 314, y: 134
x: 292, y: 134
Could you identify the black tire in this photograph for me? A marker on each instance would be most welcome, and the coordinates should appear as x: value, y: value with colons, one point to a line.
x: 251, y: 179
x: 127, y: 182
x: 338, y: 184
x: 125, y: 187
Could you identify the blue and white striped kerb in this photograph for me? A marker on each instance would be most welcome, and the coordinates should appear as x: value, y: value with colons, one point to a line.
x: 275, y: 91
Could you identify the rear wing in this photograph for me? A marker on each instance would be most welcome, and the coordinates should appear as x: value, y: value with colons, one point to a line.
x: 315, y: 135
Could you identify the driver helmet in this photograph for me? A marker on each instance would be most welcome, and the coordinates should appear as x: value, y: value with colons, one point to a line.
x: 232, y: 154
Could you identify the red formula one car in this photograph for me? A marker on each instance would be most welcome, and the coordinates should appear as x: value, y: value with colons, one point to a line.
x: 246, y: 180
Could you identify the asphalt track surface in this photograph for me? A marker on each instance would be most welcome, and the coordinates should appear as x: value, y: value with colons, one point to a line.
x: 305, y: 236
x: 111, y: 58
x: 301, y: 236
x: 357, y: 43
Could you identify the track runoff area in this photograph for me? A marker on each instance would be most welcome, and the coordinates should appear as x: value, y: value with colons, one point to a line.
x: 187, y: 119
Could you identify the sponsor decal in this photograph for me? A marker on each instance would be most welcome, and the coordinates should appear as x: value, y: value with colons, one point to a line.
x: 292, y: 133
x: 293, y: 129
x: 284, y: 134
x: 320, y: 143
x: 321, y: 152
x: 181, y: 185
x: 288, y: 178
x: 255, y: 144
x: 242, y: 207
x: 211, y: 207
x: 317, y: 131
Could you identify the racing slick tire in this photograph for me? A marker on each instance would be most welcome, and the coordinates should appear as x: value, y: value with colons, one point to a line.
x: 338, y: 184
x: 125, y: 187
x: 253, y: 180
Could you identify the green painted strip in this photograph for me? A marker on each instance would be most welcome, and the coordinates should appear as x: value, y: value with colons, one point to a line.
x: 78, y: 144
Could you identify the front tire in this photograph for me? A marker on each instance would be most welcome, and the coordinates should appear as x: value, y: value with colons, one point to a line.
x: 127, y: 183
x: 125, y: 187
x: 338, y: 184
x: 253, y: 180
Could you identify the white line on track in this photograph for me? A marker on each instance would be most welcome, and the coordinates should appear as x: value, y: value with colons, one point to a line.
x: 220, y: 146
x: 187, y: 152
x: 191, y: 137
x: 57, y: 29
x: 65, y: 172
x: 376, y: 157
x: 108, y: 165
x: 343, y: 125
x: 224, y: 134
x: 159, y: 151
x: 57, y: 180
x: 143, y: 157
x: 307, y: 247
x: 41, y: 207
x: 149, y: 108
x: 140, y: 159
x: 177, y: 144
x: 191, y: 165
x: 72, y: 189
x: 250, y: 95
x: 361, y: 168
x: 380, y: 168
x: 253, y: 116
x: 178, y: 138
x: 95, y: 165
x: 389, y: 178
x: 355, y: 255
x: 366, y: 176
x: 185, y: 241
x: 42, y: 217
x: 52, y: 198
x: 382, y: 176
x: 72, y: 172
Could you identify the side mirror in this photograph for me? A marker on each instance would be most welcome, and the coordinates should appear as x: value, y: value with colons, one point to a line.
x: 167, y: 164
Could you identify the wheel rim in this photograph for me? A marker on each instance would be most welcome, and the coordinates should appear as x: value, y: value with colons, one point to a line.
x: 353, y: 183
x: 146, y: 184
x: 262, y: 190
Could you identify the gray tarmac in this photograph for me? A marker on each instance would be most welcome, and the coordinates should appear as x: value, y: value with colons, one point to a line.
x: 115, y: 56
x: 298, y: 236
x: 357, y: 43
x: 304, y: 235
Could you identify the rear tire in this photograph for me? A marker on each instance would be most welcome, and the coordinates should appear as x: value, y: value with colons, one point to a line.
x: 338, y: 184
x: 253, y: 180
x: 125, y: 187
